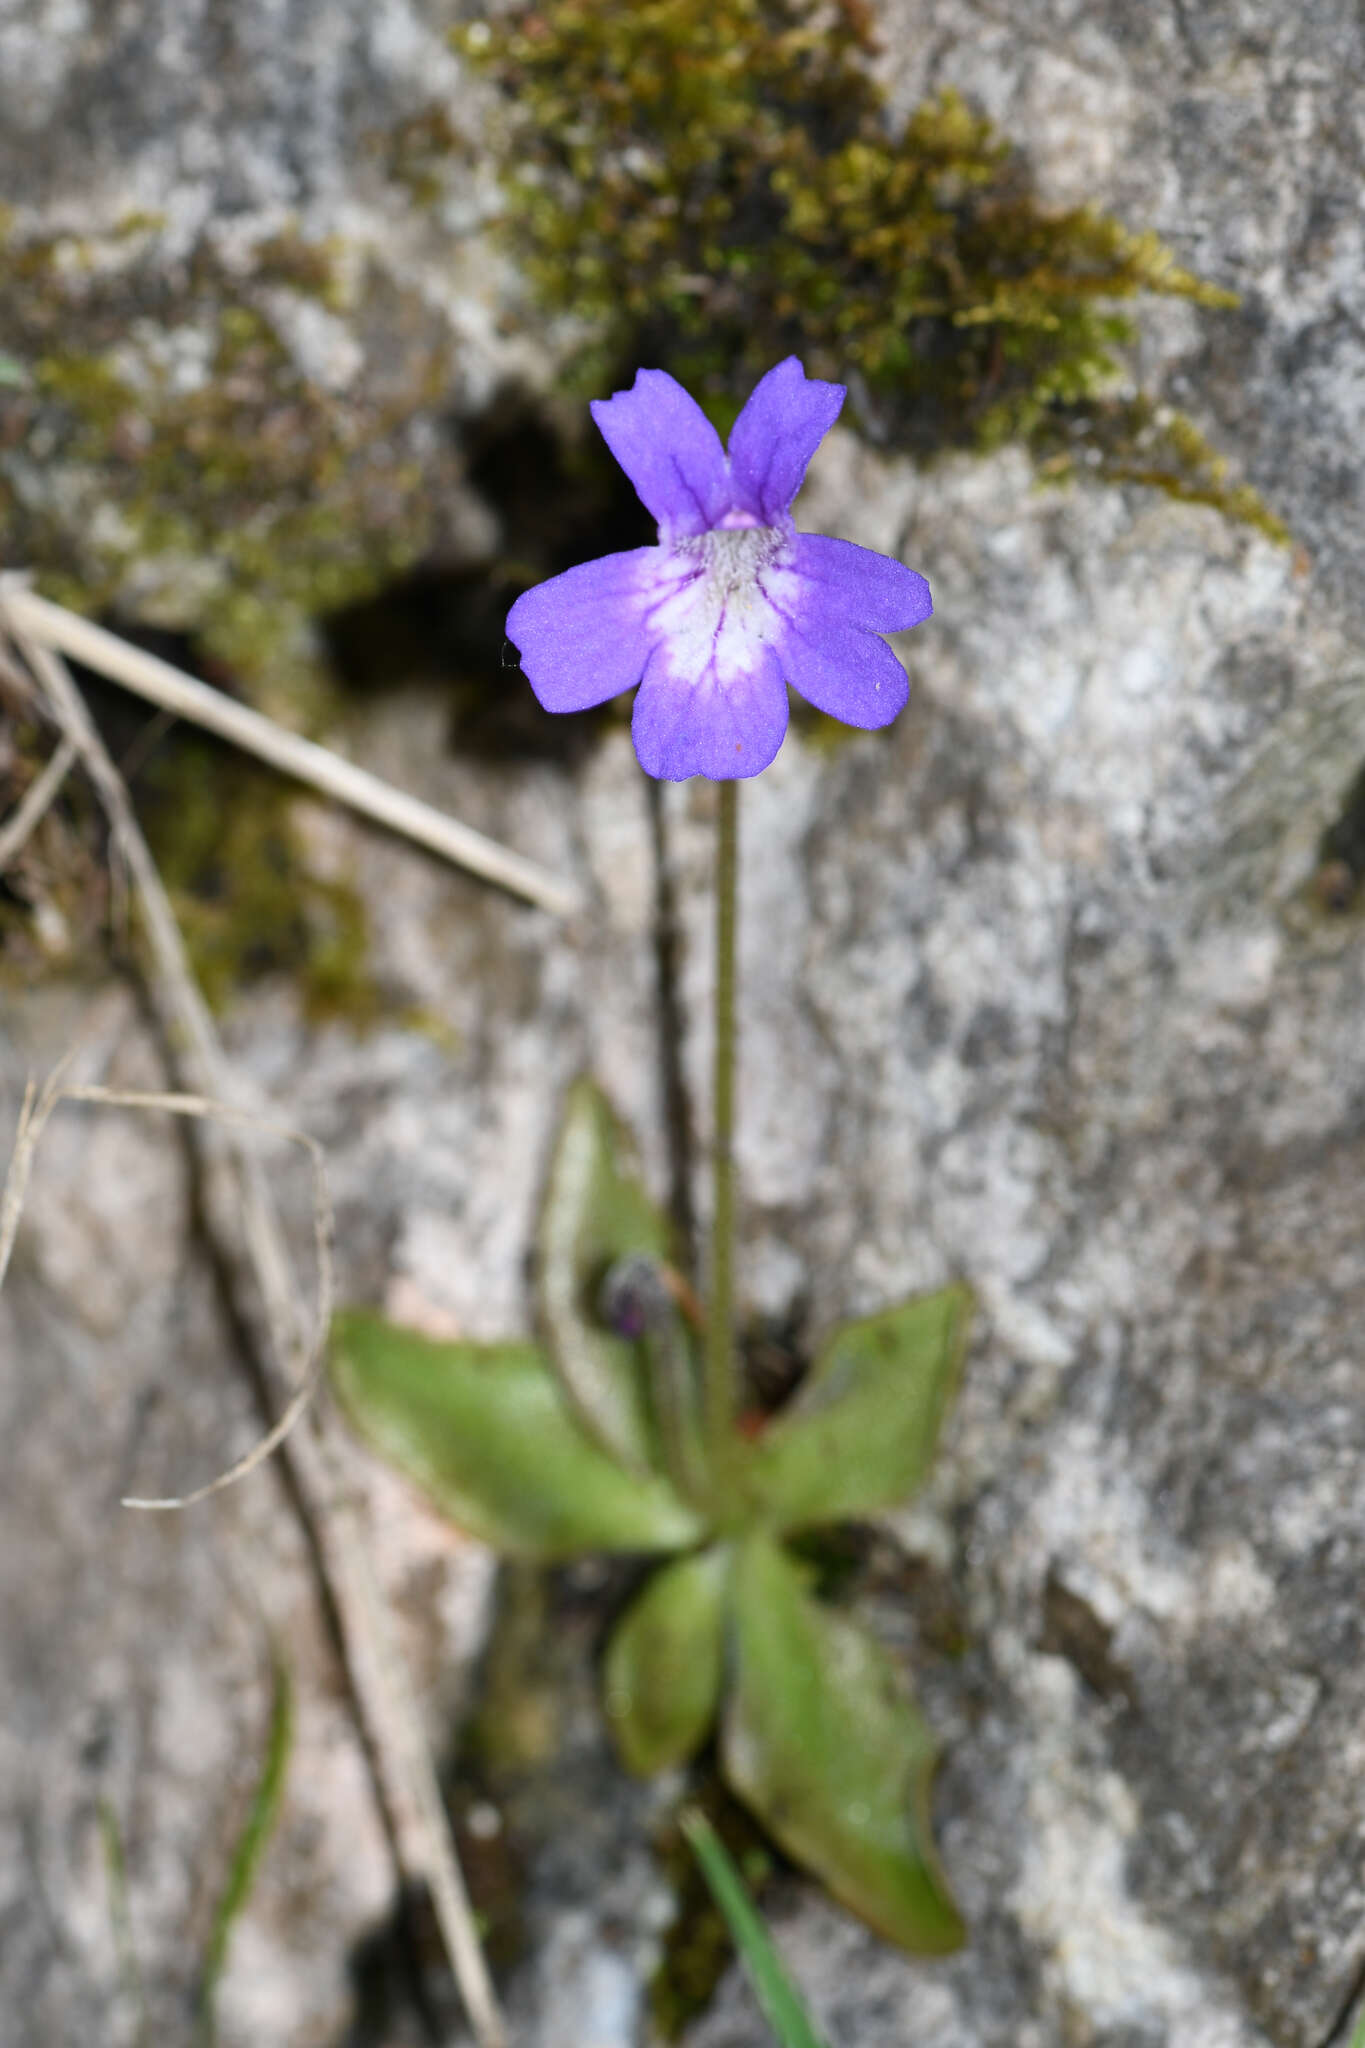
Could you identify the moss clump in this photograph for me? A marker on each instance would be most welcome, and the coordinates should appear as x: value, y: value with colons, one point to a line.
x: 164, y: 451
x: 711, y: 185
x: 418, y: 153
x: 221, y: 830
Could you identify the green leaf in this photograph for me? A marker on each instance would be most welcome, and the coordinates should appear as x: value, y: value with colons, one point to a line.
x: 781, y: 2002
x: 861, y: 1432
x: 484, y: 1430
x: 594, y: 1213
x: 251, y: 1844
x: 836, y: 1762
x: 125, y: 1948
x: 662, y: 1674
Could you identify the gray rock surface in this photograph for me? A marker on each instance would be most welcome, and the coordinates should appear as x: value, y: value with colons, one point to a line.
x: 1036, y: 989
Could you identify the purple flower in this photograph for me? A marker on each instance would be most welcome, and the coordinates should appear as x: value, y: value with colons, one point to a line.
x: 733, y: 604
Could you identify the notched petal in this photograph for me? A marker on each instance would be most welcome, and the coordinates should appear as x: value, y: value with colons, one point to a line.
x: 669, y: 450
x: 785, y: 419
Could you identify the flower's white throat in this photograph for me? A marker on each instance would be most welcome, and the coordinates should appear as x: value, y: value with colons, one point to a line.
x: 732, y: 558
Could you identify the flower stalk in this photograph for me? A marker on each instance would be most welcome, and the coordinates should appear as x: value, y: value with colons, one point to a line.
x: 720, y: 1390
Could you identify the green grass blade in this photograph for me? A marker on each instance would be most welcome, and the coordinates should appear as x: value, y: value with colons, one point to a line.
x: 251, y: 1844
x: 116, y: 1873
x: 781, y: 2003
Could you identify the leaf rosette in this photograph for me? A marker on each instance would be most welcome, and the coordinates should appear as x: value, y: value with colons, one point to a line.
x: 588, y: 1440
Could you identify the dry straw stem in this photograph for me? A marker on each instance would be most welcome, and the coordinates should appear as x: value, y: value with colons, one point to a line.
x: 49, y: 625
x: 242, y: 1220
x: 19, y: 828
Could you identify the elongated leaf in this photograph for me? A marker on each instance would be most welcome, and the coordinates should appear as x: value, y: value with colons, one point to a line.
x: 484, y: 1429
x: 125, y: 1948
x: 861, y: 1432
x: 662, y: 1673
x: 773, y: 1988
x: 594, y: 1213
x: 820, y: 1741
x: 251, y: 1845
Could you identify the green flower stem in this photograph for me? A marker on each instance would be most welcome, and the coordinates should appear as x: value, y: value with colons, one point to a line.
x: 720, y: 1392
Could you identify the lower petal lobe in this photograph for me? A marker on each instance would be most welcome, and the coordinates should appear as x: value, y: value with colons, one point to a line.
x: 696, y: 724
x: 582, y: 636
x: 841, y: 670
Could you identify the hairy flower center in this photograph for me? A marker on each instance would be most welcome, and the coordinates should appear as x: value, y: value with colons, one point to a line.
x: 731, y: 558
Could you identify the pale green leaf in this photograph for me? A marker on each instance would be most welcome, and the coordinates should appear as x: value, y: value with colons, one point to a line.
x: 861, y: 1432
x: 820, y: 1740
x: 662, y: 1673
x: 485, y: 1431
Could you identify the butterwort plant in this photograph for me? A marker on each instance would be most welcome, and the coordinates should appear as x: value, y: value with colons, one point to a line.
x: 619, y: 1428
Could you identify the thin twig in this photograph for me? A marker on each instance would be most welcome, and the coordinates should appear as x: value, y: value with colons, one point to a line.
x: 33, y: 1116
x: 35, y: 619
x: 29, y: 814
x: 241, y: 1216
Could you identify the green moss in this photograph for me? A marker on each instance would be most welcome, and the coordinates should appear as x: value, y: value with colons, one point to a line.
x: 1137, y: 441
x: 311, y: 268
x: 177, y: 462
x: 711, y: 184
x: 418, y: 154
x: 221, y: 830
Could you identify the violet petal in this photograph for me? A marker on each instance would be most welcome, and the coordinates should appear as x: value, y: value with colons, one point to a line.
x: 582, y: 636
x: 842, y: 670
x: 669, y: 450
x: 784, y: 420
x: 851, y: 584
x: 705, y: 725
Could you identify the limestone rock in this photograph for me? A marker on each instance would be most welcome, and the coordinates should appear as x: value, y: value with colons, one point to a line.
x: 1037, y: 989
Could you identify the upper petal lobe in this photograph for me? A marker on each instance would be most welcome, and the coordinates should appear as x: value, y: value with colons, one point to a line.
x: 785, y: 419
x: 669, y: 450
x: 583, y: 636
